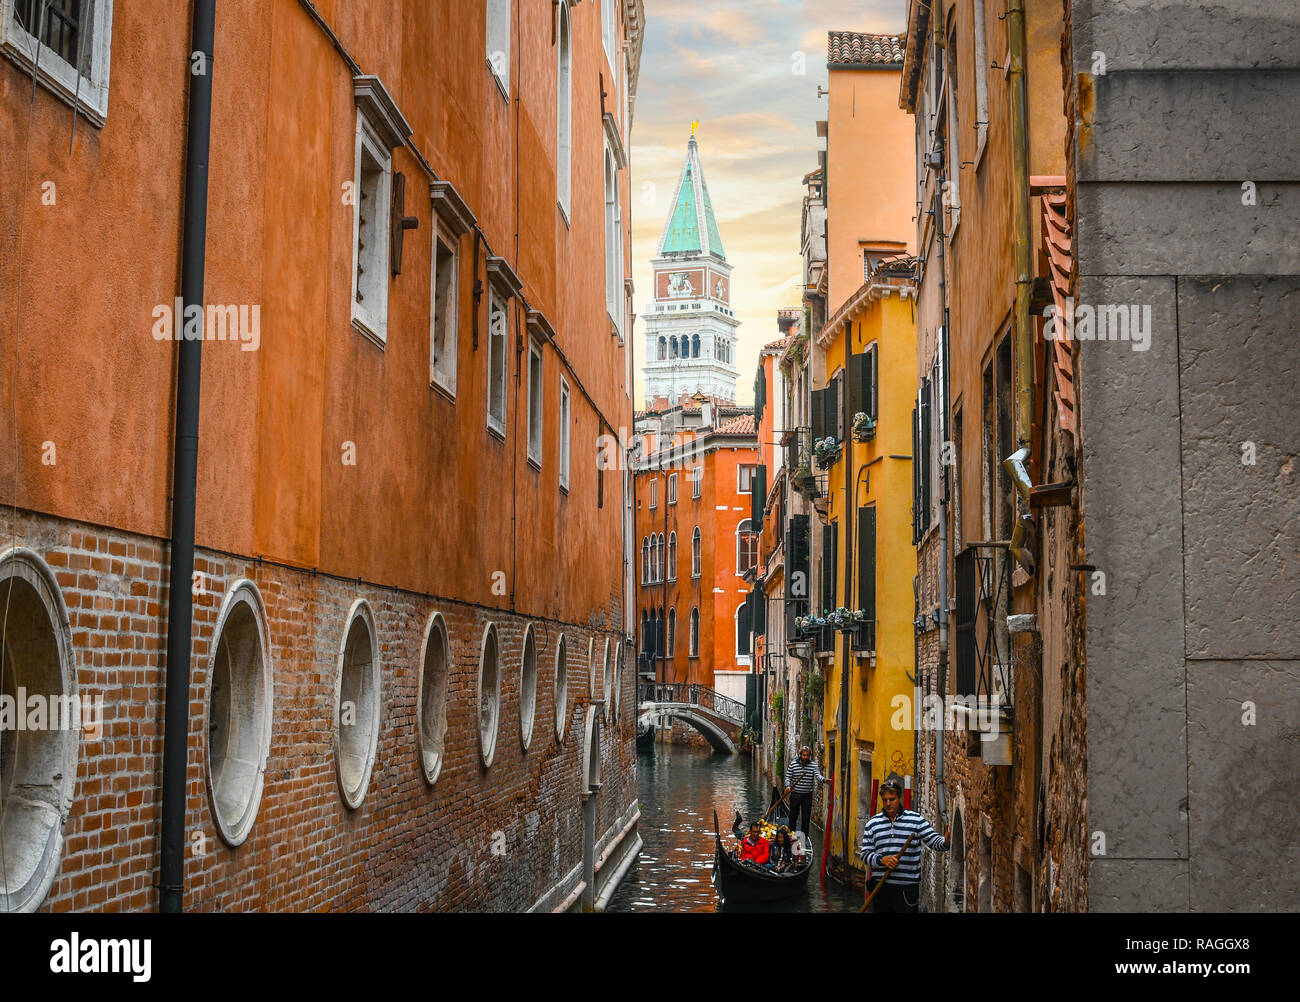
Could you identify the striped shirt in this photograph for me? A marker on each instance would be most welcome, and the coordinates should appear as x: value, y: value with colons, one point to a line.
x: 882, y: 837
x: 803, y: 778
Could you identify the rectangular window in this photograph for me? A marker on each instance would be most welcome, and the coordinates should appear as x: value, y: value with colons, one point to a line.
x: 697, y: 481
x: 654, y: 493
x: 565, y: 418
x: 672, y: 488
x: 953, y: 130
x: 535, y: 404
x: 442, y: 312
x: 496, y: 417
x: 75, y: 42
x: 498, y: 42
x: 745, y: 478
x: 373, y: 190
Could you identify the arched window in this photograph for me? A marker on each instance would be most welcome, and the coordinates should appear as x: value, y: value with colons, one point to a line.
x: 645, y: 559
x: 563, y: 118
x: 672, y: 346
x: 431, y: 700
x: 695, y: 632
x: 38, y: 767
x: 660, y: 565
x: 527, y: 688
x: 742, y: 634
x: 696, y: 560
x: 239, y: 712
x: 695, y: 346
x: 488, y: 696
x: 746, y: 547
x: 645, y: 633
x: 357, y: 711
x: 663, y: 348
x: 561, y: 686
x: 672, y: 631
x: 672, y: 556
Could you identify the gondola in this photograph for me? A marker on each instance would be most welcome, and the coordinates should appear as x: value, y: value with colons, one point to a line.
x: 742, y: 882
x: 645, y: 737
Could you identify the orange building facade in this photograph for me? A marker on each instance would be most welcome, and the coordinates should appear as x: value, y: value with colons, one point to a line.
x: 408, y: 600
x: 694, y: 490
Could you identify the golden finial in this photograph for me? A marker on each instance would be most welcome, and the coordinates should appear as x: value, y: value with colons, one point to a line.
x: 695, y: 127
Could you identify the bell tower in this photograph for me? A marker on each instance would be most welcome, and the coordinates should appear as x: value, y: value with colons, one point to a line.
x: 690, y: 326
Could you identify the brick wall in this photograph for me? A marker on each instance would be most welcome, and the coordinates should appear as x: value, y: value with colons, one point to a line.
x: 408, y: 846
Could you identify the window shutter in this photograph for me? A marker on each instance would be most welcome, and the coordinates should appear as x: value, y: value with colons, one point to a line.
x: 758, y: 489
x: 760, y: 613
x: 825, y: 596
x: 818, y: 413
x: 915, y: 476
x: 857, y: 396
x: 872, y: 385
x: 923, y: 459
x: 965, y: 626
x: 867, y: 561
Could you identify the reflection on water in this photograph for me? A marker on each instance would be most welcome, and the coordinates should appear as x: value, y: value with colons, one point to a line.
x: 680, y: 788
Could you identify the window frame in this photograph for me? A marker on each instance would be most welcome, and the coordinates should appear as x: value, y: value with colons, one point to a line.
x: 372, y: 323
x: 694, y: 640
x: 443, y: 376
x: 536, y: 404
x: 740, y: 468
x: 566, y: 417
x: 672, y: 555
x: 697, y: 553
x: 672, y: 488
x: 564, y: 112
x: 87, y: 93
x: 750, y: 544
x: 502, y: 9
x: 498, y: 425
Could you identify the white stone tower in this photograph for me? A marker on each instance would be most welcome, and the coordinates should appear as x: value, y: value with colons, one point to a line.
x: 690, y: 327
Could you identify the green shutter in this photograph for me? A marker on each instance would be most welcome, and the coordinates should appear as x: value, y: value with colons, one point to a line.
x: 757, y: 497
x: 867, y: 561
x: 818, y: 414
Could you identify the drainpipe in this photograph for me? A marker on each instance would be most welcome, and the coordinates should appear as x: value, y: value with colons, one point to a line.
x: 180, y: 599
x: 1024, y: 369
x: 846, y: 702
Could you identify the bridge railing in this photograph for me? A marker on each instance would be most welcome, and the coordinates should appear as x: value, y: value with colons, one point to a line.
x: 694, y: 695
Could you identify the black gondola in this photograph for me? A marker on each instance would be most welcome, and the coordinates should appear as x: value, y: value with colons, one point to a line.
x: 645, y: 737
x: 743, y: 882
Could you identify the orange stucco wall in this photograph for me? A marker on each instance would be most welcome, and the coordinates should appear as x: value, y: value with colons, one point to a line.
x: 719, y: 591
x: 434, y: 503
x: 869, y: 186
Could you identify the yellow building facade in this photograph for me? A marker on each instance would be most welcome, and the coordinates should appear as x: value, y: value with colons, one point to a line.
x: 868, y: 562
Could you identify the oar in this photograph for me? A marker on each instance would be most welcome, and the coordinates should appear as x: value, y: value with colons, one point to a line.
x: 881, y: 882
x: 774, y: 806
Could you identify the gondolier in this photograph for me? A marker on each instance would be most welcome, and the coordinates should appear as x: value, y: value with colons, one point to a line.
x: 885, y: 846
x: 801, y: 779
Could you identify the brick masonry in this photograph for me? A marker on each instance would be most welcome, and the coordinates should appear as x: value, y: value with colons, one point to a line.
x: 408, y: 846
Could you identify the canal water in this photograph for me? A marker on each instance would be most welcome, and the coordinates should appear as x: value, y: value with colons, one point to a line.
x: 679, y: 789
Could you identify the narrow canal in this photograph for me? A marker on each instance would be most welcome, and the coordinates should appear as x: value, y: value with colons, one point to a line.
x: 680, y: 788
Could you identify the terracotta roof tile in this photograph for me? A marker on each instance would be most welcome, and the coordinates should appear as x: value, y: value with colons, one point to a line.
x: 856, y: 48
x: 743, y: 425
x: 779, y: 343
x: 1058, y: 257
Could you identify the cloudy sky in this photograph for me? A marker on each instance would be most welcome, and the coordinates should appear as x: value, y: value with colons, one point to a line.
x: 732, y: 65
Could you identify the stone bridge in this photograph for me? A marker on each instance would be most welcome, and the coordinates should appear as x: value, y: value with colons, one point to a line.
x: 719, y: 718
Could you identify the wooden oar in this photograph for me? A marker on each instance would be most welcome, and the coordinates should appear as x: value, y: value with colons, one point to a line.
x: 881, y: 882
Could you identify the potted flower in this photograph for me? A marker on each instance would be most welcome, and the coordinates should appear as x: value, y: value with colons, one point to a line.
x: 864, y: 428
x: 803, y: 474
x: 826, y: 451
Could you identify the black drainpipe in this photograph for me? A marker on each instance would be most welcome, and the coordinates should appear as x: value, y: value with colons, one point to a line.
x: 180, y: 602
